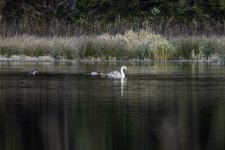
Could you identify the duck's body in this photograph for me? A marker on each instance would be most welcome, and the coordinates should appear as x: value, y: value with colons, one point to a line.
x: 34, y: 72
x: 117, y: 74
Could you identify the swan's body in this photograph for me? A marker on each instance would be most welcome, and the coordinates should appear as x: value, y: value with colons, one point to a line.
x: 34, y: 72
x: 117, y: 74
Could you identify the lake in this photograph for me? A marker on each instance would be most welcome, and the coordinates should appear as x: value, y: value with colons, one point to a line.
x: 159, y: 105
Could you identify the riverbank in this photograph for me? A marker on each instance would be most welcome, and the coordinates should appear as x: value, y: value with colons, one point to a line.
x: 141, y: 45
x: 49, y: 59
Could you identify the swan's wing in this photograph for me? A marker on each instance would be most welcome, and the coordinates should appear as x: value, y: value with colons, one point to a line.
x: 114, y: 74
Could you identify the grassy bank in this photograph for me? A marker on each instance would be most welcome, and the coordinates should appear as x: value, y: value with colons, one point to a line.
x: 141, y: 45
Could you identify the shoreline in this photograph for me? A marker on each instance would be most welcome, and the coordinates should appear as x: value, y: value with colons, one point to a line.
x: 49, y: 59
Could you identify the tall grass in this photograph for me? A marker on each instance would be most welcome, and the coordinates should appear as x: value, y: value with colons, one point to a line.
x: 57, y: 47
x: 131, y: 45
x: 199, y: 47
x: 164, y: 26
x: 139, y: 45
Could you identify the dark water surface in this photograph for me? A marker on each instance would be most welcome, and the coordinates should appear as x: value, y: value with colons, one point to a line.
x: 169, y: 106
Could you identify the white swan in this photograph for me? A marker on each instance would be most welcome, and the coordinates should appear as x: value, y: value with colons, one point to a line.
x: 117, y: 74
x: 34, y: 72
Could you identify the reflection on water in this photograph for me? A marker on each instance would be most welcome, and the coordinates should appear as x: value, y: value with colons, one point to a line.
x: 157, y: 106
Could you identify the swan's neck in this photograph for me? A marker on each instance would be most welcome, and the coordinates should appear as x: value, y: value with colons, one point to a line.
x: 122, y: 73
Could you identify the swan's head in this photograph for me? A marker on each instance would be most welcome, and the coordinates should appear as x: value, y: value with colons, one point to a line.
x: 124, y: 67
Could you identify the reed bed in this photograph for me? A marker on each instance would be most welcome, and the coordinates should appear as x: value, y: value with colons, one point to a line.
x: 56, y: 47
x: 199, y: 47
x: 164, y: 26
x: 132, y: 45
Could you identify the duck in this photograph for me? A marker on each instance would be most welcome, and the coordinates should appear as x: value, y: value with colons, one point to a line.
x: 33, y: 72
x: 117, y: 74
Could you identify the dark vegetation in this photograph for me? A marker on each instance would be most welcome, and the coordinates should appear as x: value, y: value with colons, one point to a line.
x: 78, y: 17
